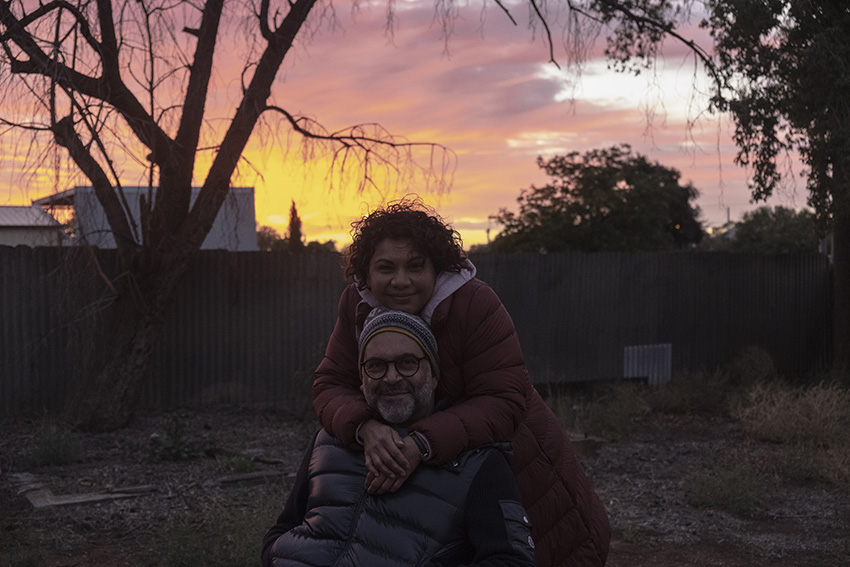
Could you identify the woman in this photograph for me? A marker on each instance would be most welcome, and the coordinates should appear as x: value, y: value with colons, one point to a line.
x: 404, y: 257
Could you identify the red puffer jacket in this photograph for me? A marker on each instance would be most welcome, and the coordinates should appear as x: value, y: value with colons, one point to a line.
x: 483, y: 376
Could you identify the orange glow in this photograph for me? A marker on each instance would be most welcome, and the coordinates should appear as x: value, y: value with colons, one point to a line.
x: 492, y: 99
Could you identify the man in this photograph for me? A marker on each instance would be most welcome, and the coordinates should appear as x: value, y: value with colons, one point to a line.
x: 465, y: 513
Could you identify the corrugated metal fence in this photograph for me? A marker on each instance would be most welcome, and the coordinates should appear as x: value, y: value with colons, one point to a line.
x: 249, y: 327
x: 576, y: 313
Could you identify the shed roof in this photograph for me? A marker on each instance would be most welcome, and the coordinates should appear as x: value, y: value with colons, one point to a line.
x: 26, y: 216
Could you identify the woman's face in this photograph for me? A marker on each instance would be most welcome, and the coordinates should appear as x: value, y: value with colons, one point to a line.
x: 400, y: 276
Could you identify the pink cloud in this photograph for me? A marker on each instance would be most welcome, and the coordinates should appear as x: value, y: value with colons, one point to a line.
x: 493, y: 98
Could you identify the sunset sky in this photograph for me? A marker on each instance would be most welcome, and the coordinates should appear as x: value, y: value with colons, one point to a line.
x: 492, y: 98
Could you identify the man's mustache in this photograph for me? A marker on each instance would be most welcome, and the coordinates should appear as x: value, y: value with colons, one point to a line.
x: 391, y: 390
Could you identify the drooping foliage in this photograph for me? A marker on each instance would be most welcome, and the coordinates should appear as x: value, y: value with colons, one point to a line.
x: 784, y: 67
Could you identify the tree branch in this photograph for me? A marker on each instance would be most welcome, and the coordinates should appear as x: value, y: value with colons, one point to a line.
x: 348, y: 140
x: 354, y: 143
x: 196, y: 91
x: 67, y: 137
x: 264, y: 20
x: 45, y: 9
x: 666, y: 28
x: 216, y: 185
x: 109, y: 88
x: 109, y: 55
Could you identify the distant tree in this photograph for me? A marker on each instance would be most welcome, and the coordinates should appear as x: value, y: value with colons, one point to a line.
x: 294, y: 238
x: 266, y: 238
x: 270, y: 240
x: 771, y: 230
x: 479, y: 248
x: 605, y: 200
x: 316, y: 247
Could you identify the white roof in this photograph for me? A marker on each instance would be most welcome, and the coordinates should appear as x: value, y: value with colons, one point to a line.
x: 26, y: 216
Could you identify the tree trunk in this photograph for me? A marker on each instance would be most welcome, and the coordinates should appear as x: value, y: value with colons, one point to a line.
x: 841, y: 282
x: 113, y: 378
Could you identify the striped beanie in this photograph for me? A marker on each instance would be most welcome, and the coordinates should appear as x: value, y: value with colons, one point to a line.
x: 381, y: 320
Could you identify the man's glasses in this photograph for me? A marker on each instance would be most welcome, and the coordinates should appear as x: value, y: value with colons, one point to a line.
x: 406, y: 366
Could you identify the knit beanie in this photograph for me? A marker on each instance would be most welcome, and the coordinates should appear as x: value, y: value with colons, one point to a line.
x: 381, y: 320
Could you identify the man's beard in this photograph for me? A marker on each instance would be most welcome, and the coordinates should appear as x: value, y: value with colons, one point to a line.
x: 402, y: 409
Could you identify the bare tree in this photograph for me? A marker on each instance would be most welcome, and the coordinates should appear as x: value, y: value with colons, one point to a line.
x: 115, y: 82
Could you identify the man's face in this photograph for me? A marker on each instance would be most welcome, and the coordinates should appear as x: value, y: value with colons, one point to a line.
x: 400, y: 276
x: 398, y: 399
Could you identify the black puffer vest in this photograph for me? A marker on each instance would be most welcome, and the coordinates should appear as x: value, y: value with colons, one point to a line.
x: 346, y: 527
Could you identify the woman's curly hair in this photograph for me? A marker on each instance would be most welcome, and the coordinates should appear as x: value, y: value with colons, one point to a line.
x: 405, y: 219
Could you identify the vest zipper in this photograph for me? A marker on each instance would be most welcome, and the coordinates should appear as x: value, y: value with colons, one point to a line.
x: 354, y: 519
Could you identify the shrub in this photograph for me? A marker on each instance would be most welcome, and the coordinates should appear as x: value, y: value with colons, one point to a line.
x: 175, y: 445
x: 688, y: 393
x: 751, y: 365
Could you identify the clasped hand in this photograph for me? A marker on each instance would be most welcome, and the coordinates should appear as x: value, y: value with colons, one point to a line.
x: 390, y: 458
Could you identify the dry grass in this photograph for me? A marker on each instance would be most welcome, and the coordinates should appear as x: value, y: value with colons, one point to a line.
x: 812, y: 423
x: 612, y: 413
x: 690, y: 393
x: 817, y: 415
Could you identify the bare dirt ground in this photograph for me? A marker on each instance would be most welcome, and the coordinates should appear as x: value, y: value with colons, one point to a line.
x: 642, y: 480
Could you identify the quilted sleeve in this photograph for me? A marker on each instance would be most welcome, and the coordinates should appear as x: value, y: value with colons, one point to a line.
x: 482, y: 363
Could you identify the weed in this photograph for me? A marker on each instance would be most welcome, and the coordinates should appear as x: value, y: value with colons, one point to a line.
x: 733, y: 487
x: 175, y: 445
x: 230, y: 538
x: 813, y: 424
x: 299, y: 395
x: 21, y: 549
x: 815, y: 416
x: 804, y: 463
x: 53, y: 445
x: 613, y: 414
x: 237, y: 464
x: 565, y: 410
x: 635, y: 533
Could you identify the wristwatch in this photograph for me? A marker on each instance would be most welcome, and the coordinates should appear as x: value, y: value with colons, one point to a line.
x: 424, y: 453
